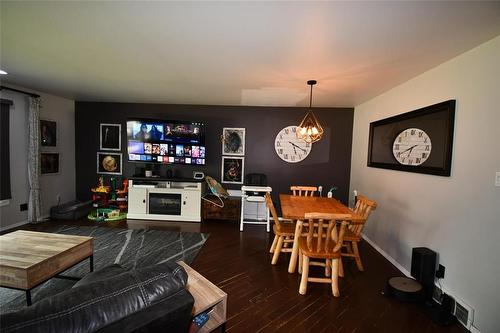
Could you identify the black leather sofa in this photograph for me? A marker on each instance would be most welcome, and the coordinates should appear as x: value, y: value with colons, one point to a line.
x: 150, y: 299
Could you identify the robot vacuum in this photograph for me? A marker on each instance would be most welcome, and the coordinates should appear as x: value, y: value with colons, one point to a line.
x: 404, y: 289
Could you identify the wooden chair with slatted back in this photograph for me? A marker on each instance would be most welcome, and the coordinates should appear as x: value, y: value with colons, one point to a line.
x: 323, y: 241
x: 303, y: 191
x: 283, y: 232
x: 364, y: 207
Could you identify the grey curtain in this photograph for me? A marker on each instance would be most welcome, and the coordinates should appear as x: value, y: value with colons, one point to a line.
x: 34, y: 202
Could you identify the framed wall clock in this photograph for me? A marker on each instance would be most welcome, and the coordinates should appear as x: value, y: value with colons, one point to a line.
x: 418, y: 141
x: 289, y: 148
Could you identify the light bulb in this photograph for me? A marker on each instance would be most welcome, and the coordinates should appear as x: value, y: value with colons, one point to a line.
x: 309, y: 132
x: 315, y: 130
x: 302, y: 130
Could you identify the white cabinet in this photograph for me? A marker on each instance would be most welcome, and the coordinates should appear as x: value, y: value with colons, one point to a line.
x: 137, y: 200
x: 164, y: 200
x: 191, y: 204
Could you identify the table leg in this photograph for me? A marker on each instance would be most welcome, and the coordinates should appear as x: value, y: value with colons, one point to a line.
x: 91, y: 258
x: 295, y: 249
x: 28, y: 297
x: 223, y: 328
x: 267, y: 218
x: 242, y: 209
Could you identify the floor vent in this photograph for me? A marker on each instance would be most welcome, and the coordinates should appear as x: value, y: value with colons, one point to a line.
x: 464, y: 313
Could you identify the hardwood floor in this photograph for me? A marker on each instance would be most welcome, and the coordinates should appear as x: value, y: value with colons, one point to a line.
x: 265, y: 298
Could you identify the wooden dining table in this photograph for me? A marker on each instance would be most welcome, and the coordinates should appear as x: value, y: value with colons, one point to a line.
x: 295, y: 208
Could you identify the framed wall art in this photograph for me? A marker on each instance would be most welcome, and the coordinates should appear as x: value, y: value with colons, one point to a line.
x: 418, y: 141
x: 110, y: 136
x: 49, y: 163
x: 232, y: 169
x: 48, y: 133
x: 109, y: 163
x: 233, y: 141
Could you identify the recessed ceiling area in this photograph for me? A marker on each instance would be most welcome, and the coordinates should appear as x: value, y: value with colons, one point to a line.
x: 234, y: 53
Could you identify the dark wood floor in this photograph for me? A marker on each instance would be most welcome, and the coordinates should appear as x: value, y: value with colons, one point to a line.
x: 265, y: 298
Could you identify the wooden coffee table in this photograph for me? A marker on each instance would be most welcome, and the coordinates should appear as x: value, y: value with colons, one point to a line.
x: 29, y: 258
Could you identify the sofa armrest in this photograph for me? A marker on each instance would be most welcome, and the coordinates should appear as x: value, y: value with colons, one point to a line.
x: 95, y: 305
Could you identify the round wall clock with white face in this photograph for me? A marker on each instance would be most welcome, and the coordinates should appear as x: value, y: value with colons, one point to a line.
x: 412, y: 146
x: 289, y: 148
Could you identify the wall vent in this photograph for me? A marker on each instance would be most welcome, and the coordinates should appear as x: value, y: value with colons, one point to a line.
x: 464, y: 313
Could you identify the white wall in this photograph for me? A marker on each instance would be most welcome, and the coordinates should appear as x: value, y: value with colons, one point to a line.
x: 55, y: 108
x: 457, y: 216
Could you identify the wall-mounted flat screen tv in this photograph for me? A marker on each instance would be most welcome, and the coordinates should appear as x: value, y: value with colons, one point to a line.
x: 166, y: 141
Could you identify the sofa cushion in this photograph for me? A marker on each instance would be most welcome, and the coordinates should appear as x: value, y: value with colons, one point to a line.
x: 142, y: 294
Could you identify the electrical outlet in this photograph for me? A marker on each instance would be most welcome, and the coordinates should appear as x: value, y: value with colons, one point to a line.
x: 497, y: 179
x: 23, y: 207
x: 440, y: 272
x: 58, y: 198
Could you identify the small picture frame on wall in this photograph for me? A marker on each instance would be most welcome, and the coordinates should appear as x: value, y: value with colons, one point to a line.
x: 48, y: 133
x: 110, y: 137
x: 233, y: 141
x: 109, y: 163
x: 49, y: 163
x: 232, y: 169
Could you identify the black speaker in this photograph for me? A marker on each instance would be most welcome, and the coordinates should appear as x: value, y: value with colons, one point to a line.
x: 423, y: 268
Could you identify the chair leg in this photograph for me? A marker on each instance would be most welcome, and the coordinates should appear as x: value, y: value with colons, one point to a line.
x: 335, y: 277
x: 273, y: 246
x: 268, y: 220
x: 300, y: 262
x: 328, y: 268
x: 241, y: 212
x: 349, y: 247
x: 357, y: 257
x: 305, y: 275
x: 277, y: 250
x: 341, y: 267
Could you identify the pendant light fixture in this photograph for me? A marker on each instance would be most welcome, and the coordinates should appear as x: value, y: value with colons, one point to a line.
x: 310, y: 129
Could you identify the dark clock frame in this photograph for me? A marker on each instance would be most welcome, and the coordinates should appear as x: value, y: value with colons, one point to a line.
x: 436, y: 120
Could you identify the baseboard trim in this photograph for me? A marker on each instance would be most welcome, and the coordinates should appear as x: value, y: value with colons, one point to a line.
x: 43, y: 218
x: 15, y: 225
x: 474, y: 330
x: 386, y: 255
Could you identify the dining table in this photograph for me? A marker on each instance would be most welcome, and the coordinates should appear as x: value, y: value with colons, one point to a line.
x: 295, y: 207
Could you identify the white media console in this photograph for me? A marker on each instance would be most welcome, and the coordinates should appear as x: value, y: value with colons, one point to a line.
x: 164, y: 199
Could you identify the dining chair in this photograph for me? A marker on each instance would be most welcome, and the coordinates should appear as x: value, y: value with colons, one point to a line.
x: 322, y: 241
x: 352, y: 237
x: 283, y: 232
x: 303, y: 191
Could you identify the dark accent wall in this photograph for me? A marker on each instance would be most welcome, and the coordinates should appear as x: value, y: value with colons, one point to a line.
x: 328, y: 164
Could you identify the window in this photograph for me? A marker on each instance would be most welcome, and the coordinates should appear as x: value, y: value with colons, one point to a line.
x: 4, y: 150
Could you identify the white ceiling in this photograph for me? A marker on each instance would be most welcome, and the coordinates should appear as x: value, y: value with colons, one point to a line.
x: 234, y: 53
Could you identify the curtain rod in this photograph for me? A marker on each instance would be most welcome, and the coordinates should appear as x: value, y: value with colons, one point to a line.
x: 19, y: 91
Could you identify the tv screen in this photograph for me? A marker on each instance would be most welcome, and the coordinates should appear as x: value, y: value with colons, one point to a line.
x: 158, y: 141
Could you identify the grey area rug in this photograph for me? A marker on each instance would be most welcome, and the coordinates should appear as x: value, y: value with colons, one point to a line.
x: 127, y: 247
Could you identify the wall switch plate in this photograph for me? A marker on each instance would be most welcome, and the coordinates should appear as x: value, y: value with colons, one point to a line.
x: 497, y: 179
